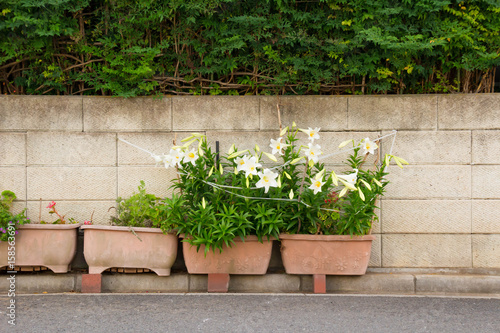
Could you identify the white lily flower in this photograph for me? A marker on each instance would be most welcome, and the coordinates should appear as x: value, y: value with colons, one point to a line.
x: 191, y: 156
x: 351, y: 178
x: 312, y: 134
x: 369, y: 146
x: 251, y: 166
x: 241, y: 163
x: 158, y: 159
x: 267, y: 179
x: 176, y: 156
x: 167, y: 160
x: 313, y: 152
x: 316, y: 184
x: 277, y: 146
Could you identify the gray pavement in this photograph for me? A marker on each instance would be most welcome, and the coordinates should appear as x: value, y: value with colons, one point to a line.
x: 250, y: 313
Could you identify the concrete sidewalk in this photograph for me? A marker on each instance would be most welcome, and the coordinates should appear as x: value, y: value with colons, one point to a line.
x: 376, y: 281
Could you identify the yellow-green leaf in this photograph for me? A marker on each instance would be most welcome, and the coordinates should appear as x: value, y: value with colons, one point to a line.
x: 366, y: 184
x: 343, y: 192
x: 319, y: 174
x: 187, y: 144
x: 295, y: 161
x: 238, y: 153
x: 335, y: 179
x: 398, y: 162
x: 387, y: 159
x: 345, y: 143
x: 271, y: 157
x: 349, y: 186
x: 361, y: 194
x: 231, y: 149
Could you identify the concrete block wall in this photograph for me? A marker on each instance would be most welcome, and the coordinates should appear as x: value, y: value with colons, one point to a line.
x: 442, y: 211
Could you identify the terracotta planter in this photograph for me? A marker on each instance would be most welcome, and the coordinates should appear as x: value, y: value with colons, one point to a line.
x: 248, y: 257
x: 49, y: 245
x: 328, y: 255
x: 109, y: 246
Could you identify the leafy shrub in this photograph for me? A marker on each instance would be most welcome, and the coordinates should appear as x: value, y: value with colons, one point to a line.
x: 132, y: 48
x: 9, y: 221
x: 140, y: 210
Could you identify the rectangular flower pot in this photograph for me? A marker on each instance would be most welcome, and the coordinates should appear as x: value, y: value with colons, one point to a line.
x: 49, y: 245
x: 249, y: 257
x: 328, y: 255
x: 125, y: 247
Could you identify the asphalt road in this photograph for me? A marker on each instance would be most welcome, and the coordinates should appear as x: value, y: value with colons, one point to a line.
x: 249, y: 313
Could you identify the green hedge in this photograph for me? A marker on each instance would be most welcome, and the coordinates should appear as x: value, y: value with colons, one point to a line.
x: 146, y: 47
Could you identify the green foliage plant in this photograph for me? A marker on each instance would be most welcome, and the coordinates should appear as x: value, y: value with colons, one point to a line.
x: 221, y: 197
x: 200, y: 47
x: 9, y: 222
x: 141, y: 209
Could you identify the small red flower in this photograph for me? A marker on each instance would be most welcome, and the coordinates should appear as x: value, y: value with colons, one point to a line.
x: 52, y: 204
x: 87, y: 222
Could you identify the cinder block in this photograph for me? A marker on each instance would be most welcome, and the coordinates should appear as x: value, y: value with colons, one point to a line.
x: 44, y: 282
x: 486, y: 216
x: 17, y: 207
x: 369, y: 113
x: 40, y: 113
x: 79, y: 210
x: 469, y: 111
x: 157, y: 179
x: 71, y: 183
x: 140, y: 283
x: 156, y: 143
x: 376, y: 254
x: 456, y: 284
x: 431, y: 147
x: 198, y: 283
x: 13, y: 179
x: 486, y: 251
x: 426, y: 216
x: 429, y: 182
x: 91, y: 283
x: 12, y: 149
x: 485, y: 147
x: 371, y: 284
x: 426, y: 251
x: 276, y: 283
x: 218, y: 283
x: 327, y: 112
x: 486, y: 181
x: 60, y: 148
x: 104, y: 114
x: 215, y: 113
